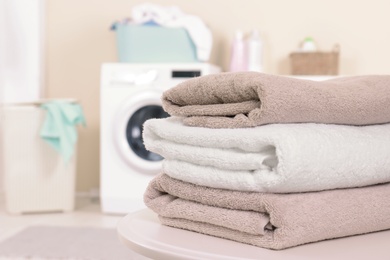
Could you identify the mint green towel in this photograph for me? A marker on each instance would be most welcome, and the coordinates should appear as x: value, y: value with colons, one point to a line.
x: 59, y: 127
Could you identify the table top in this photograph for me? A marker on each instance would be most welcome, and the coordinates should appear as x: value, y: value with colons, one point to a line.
x: 142, y: 232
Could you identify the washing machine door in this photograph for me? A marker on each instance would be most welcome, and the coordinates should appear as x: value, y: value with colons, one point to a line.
x: 128, y: 130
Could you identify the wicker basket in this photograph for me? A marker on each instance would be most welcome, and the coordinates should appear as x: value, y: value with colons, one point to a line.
x: 315, y: 63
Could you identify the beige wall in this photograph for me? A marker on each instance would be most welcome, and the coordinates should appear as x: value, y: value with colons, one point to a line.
x: 79, y: 40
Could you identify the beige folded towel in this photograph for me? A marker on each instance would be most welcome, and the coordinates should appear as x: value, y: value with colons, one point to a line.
x: 246, y: 99
x: 275, y: 221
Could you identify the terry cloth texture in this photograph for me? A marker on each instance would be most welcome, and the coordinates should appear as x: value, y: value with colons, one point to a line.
x: 247, y: 99
x: 279, y: 158
x: 293, y: 219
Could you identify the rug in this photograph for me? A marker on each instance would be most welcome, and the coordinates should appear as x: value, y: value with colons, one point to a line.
x: 66, y: 243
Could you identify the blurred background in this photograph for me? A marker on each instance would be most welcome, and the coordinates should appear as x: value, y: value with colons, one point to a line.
x: 68, y: 41
x: 104, y: 65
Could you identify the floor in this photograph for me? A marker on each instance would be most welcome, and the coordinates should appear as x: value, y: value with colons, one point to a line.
x: 87, y: 214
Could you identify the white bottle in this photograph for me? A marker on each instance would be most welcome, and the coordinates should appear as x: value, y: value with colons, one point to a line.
x: 255, y: 52
x: 238, y: 55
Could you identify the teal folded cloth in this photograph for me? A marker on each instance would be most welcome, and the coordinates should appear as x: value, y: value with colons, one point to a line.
x: 59, y: 127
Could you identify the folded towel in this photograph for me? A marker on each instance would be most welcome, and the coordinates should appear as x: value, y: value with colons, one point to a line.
x: 272, y: 158
x: 59, y: 127
x: 275, y: 221
x: 247, y: 99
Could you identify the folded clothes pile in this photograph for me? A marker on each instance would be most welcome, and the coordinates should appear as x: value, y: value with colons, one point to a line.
x: 273, y: 161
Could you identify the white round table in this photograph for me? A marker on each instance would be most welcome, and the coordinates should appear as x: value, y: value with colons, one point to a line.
x: 142, y: 232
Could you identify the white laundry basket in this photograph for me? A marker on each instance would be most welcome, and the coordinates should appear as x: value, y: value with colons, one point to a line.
x: 36, y: 178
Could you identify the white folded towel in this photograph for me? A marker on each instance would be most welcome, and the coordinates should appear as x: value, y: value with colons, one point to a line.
x: 277, y: 158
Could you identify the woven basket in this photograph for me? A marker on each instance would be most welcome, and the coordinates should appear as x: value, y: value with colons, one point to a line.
x: 315, y: 63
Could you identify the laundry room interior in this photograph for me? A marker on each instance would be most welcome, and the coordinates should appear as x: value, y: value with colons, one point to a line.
x: 258, y: 128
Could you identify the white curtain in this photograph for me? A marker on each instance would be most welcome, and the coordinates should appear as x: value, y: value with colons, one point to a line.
x: 21, y: 56
x: 21, y: 50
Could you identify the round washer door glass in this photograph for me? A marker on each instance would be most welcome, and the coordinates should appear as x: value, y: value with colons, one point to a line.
x: 134, y: 130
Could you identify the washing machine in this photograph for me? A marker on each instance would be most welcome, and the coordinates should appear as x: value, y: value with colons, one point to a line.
x: 131, y: 94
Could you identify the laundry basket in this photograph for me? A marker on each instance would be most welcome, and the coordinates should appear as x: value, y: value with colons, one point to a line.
x: 36, y: 178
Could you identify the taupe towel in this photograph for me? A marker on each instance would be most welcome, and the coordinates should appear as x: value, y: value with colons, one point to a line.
x: 275, y: 221
x: 247, y: 99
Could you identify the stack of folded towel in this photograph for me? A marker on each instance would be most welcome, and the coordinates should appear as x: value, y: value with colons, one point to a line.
x: 273, y: 161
